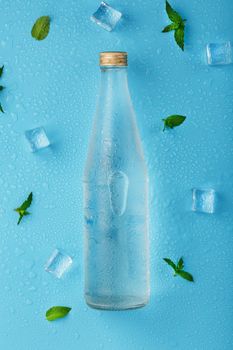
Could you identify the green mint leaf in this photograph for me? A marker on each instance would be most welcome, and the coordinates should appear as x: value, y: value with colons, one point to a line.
x: 1, y: 70
x: 56, y: 312
x: 180, y: 264
x: 22, y: 210
x: 20, y: 218
x: 1, y: 109
x: 178, y: 25
x: 26, y: 204
x: 179, y: 37
x: 1, y: 87
x: 179, y: 269
x: 41, y: 27
x: 170, y: 27
x: 185, y: 275
x: 172, y: 14
x: 170, y: 263
x: 173, y: 121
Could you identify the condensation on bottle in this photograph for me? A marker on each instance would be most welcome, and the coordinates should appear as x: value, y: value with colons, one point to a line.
x: 116, y: 198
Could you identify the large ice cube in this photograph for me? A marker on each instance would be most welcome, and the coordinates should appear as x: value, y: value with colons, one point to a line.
x: 219, y: 53
x: 204, y: 200
x: 37, y: 139
x: 106, y: 16
x: 58, y: 263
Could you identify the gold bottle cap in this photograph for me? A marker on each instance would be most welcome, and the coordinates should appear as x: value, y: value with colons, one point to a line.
x: 114, y: 58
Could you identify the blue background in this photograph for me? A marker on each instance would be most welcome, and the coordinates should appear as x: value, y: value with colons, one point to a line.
x: 54, y: 83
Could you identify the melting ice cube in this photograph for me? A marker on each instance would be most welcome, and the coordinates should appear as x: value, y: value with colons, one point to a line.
x: 204, y: 200
x: 219, y: 53
x: 106, y: 16
x: 58, y: 263
x: 37, y: 139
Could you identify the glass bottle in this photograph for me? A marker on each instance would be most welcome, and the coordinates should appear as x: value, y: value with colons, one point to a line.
x: 116, y: 198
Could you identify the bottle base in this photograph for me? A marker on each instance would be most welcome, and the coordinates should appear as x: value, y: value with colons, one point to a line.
x: 115, y: 303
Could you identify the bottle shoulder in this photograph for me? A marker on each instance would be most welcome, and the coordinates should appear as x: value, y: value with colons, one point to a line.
x: 115, y: 141
x: 108, y: 159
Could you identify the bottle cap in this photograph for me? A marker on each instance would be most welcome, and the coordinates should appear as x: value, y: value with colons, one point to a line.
x: 113, y: 58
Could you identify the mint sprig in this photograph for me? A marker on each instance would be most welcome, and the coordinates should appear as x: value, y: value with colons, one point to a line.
x: 22, y: 210
x: 56, y: 312
x: 41, y: 27
x: 178, y: 25
x: 178, y: 269
x: 1, y: 87
x: 173, y: 121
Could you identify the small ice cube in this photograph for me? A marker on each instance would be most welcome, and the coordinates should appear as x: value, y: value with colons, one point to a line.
x: 204, y: 200
x: 219, y: 53
x: 106, y: 16
x: 37, y: 139
x: 58, y: 263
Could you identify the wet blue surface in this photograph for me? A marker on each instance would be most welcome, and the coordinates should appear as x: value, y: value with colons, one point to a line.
x: 54, y: 83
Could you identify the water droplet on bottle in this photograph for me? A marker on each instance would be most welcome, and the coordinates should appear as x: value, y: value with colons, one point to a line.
x: 118, y: 183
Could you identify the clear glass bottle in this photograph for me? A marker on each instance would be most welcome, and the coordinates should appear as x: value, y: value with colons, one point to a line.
x: 116, y: 198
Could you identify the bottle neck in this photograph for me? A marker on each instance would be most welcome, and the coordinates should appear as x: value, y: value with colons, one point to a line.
x: 114, y: 81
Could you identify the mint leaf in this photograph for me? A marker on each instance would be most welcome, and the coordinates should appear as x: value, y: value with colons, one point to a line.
x: 21, y: 215
x: 180, y: 264
x: 170, y: 263
x: 56, y: 312
x: 26, y: 204
x: 22, y: 210
x: 41, y: 27
x: 178, y: 25
x: 1, y: 70
x: 20, y: 218
x: 172, y: 14
x: 185, y: 275
x: 179, y: 269
x: 173, y: 121
x: 1, y: 109
x: 170, y: 27
x: 179, y: 37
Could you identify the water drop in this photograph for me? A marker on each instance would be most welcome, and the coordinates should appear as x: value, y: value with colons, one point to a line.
x: 118, y: 189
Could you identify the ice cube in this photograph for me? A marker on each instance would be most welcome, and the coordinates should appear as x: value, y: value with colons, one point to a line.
x: 37, y: 139
x: 106, y: 16
x: 204, y: 200
x: 58, y: 263
x: 219, y: 53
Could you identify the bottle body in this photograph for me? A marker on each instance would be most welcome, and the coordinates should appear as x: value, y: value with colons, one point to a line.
x: 116, y: 203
